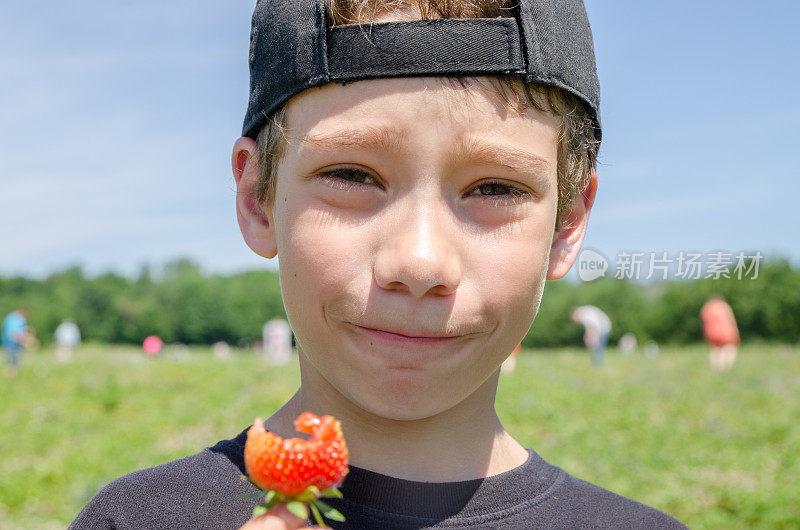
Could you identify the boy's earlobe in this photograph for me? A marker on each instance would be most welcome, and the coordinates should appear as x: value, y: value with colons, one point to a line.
x: 567, y: 241
x: 255, y: 220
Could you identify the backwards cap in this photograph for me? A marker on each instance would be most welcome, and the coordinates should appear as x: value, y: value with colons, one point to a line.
x: 292, y: 48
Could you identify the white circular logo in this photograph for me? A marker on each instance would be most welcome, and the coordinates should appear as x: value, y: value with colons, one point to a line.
x: 591, y: 265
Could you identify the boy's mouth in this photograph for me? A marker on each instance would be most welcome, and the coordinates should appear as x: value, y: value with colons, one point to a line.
x: 408, y: 336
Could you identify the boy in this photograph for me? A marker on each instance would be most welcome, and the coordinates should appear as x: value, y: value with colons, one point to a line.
x: 416, y: 217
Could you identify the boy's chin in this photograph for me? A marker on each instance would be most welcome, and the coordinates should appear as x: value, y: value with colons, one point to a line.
x: 391, y: 411
x: 403, y: 405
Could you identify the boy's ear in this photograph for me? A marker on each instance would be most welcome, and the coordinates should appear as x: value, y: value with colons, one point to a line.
x: 567, y: 241
x: 255, y: 220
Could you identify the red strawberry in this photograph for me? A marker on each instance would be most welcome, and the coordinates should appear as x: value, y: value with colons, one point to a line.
x: 298, y: 471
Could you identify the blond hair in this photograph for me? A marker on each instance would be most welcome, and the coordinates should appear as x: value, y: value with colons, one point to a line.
x: 577, y: 143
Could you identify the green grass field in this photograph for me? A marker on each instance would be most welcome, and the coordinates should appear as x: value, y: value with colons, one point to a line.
x: 716, y: 451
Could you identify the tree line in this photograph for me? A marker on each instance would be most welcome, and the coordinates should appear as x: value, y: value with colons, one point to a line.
x: 180, y: 303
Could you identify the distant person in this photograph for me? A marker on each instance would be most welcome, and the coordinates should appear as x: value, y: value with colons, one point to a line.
x: 721, y: 332
x: 597, y: 327
x: 277, y: 341
x: 628, y: 344
x: 15, y: 336
x: 152, y: 345
x: 68, y: 338
x: 652, y: 350
x: 221, y: 350
x: 510, y: 364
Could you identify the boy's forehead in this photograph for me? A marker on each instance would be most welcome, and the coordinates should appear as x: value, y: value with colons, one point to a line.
x: 403, y: 116
x: 385, y: 112
x: 370, y: 92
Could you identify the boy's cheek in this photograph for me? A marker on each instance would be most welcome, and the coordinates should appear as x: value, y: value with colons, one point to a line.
x: 515, y: 304
x: 511, y: 287
x: 319, y: 262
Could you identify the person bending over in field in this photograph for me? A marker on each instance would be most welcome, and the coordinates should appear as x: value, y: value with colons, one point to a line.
x: 597, y: 327
x: 721, y: 332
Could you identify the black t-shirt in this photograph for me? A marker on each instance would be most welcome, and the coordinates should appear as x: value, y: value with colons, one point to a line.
x: 203, y: 491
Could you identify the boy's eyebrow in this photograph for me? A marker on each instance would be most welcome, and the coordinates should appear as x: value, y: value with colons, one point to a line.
x: 393, y: 139
x: 478, y: 149
x: 378, y: 138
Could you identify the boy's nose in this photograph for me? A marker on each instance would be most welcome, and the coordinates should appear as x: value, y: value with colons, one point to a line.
x: 418, y: 255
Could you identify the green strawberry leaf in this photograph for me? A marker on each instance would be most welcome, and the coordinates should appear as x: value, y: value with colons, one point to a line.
x: 298, y: 508
x: 329, y: 511
x: 333, y: 492
x: 317, y: 515
x: 270, y: 498
x: 310, y: 494
x: 313, y: 490
x: 259, y: 510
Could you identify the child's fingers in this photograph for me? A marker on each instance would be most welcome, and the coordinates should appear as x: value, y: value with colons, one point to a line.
x: 277, y: 518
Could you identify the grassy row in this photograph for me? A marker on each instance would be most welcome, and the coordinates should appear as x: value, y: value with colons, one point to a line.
x: 715, y: 450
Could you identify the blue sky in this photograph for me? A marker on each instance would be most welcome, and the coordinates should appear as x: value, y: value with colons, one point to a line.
x: 117, y: 120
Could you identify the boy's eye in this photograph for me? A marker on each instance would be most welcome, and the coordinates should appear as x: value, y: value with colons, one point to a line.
x: 500, y: 193
x: 347, y: 178
x: 497, y: 193
x: 494, y: 188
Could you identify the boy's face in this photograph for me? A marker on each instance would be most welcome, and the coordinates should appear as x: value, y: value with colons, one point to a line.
x: 406, y: 206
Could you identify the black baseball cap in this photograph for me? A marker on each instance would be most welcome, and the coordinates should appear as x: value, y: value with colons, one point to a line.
x: 293, y: 48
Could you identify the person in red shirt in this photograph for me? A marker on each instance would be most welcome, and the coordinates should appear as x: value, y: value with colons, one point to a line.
x: 721, y: 332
